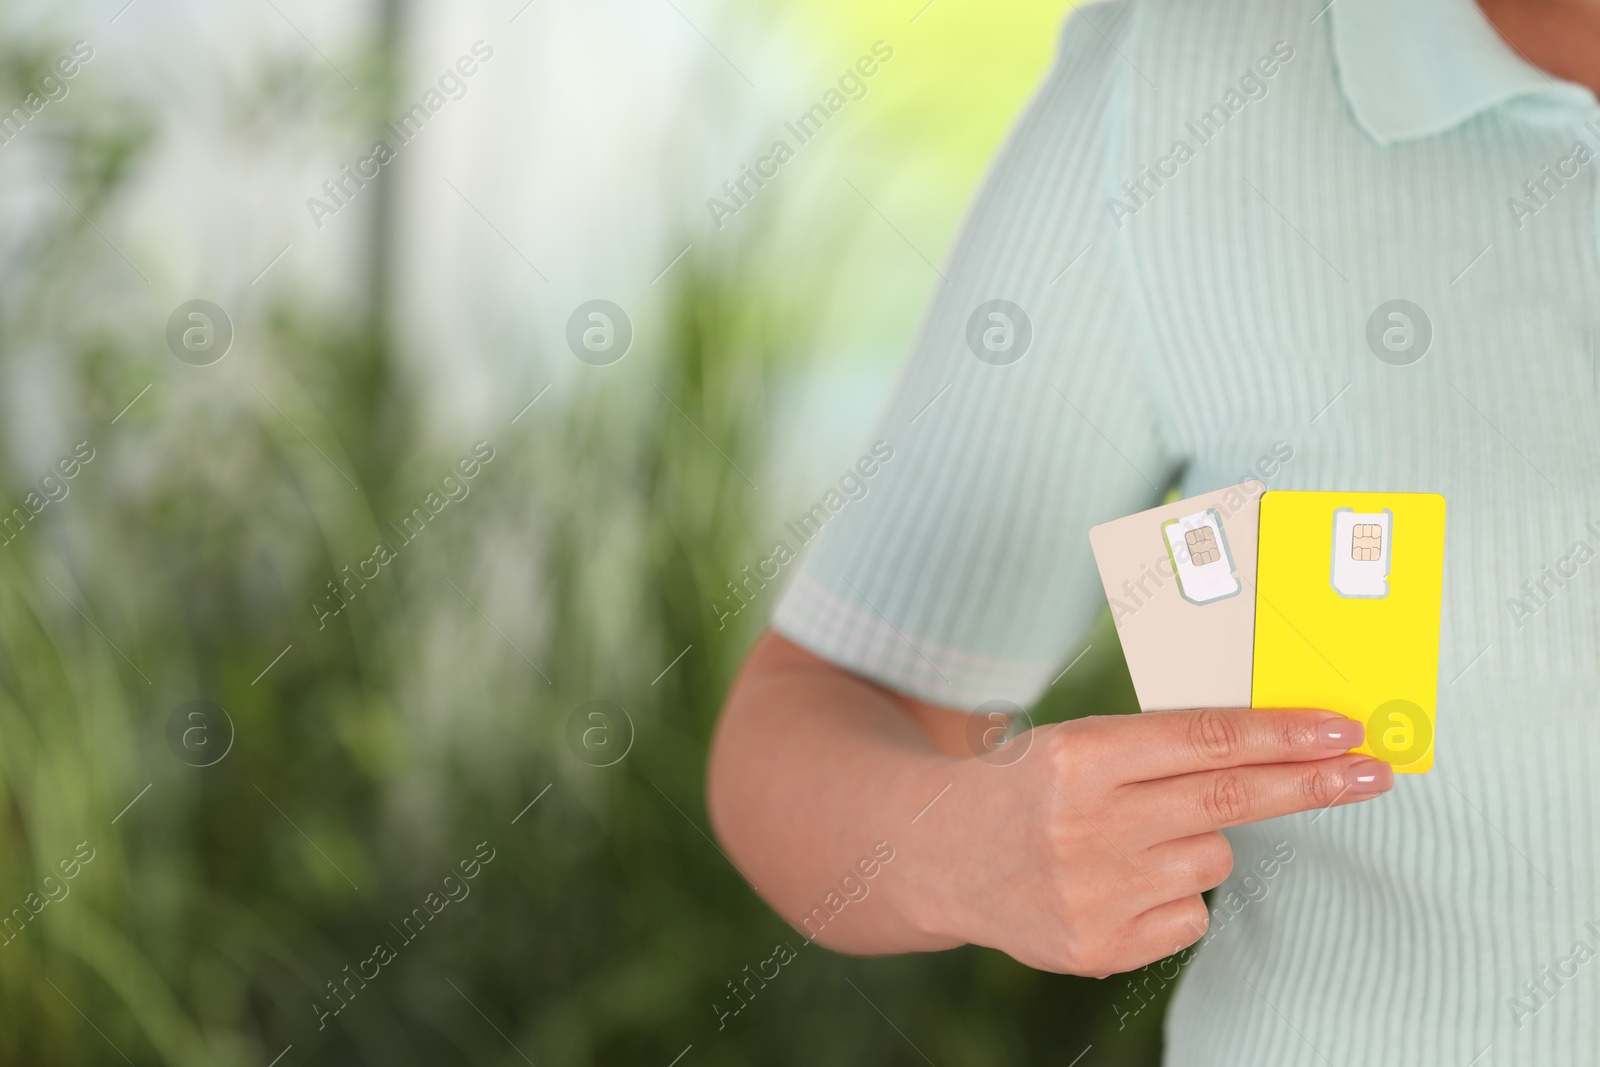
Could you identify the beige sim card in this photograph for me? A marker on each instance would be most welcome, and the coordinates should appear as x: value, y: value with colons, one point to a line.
x: 1179, y: 579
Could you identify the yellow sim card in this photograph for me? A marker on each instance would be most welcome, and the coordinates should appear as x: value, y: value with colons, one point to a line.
x: 1348, y: 595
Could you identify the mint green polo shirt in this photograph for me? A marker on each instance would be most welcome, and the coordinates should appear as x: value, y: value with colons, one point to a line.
x: 1346, y: 247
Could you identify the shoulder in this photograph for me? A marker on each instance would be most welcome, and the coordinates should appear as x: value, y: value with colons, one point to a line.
x: 1196, y: 33
x: 1179, y: 45
x: 1190, y: 66
x: 1092, y: 40
x: 1169, y: 53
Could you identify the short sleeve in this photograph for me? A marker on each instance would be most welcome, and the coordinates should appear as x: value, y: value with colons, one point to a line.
x: 962, y: 573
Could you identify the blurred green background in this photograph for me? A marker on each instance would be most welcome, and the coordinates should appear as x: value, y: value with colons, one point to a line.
x: 357, y: 759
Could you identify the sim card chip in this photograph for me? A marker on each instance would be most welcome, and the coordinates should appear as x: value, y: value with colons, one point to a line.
x: 1366, y: 541
x: 1198, y: 551
x: 1202, y: 544
x: 1361, y: 547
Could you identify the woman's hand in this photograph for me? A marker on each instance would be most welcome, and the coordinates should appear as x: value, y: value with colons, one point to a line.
x: 1088, y: 854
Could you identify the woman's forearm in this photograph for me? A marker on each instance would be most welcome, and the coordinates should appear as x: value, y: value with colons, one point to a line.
x: 814, y: 780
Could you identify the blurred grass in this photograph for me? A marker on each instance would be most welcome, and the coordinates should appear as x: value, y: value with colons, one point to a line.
x: 380, y: 751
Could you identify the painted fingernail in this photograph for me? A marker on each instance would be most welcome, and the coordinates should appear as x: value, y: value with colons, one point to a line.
x: 1341, y: 735
x: 1368, y: 777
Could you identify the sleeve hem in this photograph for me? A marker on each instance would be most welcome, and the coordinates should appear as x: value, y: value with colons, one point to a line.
x: 865, y: 643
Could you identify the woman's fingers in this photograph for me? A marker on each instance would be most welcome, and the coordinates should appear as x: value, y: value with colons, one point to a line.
x: 1192, y: 804
x: 1163, y: 744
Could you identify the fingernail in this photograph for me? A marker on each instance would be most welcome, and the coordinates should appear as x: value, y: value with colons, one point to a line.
x: 1341, y: 734
x: 1368, y: 777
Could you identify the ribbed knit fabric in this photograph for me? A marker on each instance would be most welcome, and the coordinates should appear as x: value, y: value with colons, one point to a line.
x: 1208, y: 316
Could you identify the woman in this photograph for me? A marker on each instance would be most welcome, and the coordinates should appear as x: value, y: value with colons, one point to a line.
x: 1172, y: 272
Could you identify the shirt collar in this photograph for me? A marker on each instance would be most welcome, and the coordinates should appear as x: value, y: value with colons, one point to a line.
x: 1412, y: 68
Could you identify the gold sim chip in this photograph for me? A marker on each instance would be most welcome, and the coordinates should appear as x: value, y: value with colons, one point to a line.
x: 1202, y: 544
x: 1366, y: 541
